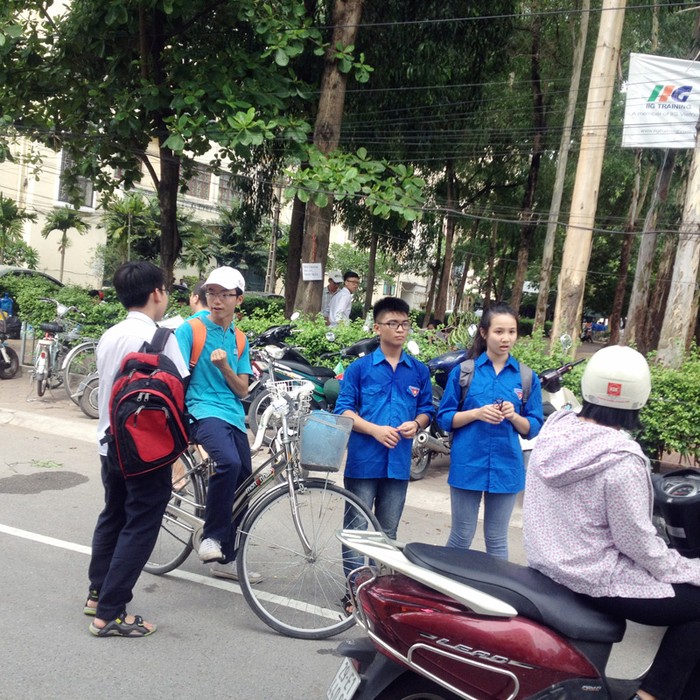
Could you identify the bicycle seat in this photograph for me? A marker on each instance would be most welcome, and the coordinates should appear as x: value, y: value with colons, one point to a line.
x: 530, y: 592
x: 51, y: 327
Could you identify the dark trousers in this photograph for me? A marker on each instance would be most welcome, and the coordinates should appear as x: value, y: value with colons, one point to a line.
x: 679, y: 652
x: 125, y: 534
x: 229, y: 448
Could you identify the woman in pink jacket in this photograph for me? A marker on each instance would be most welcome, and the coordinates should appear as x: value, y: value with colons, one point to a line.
x: 587, y: 518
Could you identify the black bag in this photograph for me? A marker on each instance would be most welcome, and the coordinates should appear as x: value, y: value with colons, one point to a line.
x: 147, y: 423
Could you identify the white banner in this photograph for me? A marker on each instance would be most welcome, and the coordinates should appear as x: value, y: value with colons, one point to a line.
x: 663, y: 102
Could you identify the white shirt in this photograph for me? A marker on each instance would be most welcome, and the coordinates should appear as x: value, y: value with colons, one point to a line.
x: 117, y: 342
x: 340, y: 307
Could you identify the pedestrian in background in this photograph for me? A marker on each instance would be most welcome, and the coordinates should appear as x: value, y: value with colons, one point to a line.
x: 329, y: 291
x: 341, y: 304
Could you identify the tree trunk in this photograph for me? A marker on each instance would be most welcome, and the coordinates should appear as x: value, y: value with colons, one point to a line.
x: 296, y: 238
x: 560, y: 177
x: 679, y: 320
x: 433, y: 284
x: 446, y: 271
x: 488, y: 287
x: 579, y: 233
x: 168, y: 185
x: 346, y: 19
x: 626, y: 250
x: 655, y: 313
x: 637, y: 312
x: 371, y: 268
x: 459, y: 292
x: 528, y: 228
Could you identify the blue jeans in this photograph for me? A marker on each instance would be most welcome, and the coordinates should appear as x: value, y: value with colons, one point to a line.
x: 229, y: 449
x: 498, y: 508
x: 125, y: 534
x: 386, y: 498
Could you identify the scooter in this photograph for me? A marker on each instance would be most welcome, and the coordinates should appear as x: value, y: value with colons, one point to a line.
x: 9, y: 361
x: 288, y: 363
x: 444, y: 624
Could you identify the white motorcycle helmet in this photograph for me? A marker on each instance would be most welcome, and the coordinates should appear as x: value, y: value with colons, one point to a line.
x: 617, y: 377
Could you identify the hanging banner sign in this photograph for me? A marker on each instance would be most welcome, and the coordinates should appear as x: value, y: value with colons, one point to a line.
x: 663, y: 103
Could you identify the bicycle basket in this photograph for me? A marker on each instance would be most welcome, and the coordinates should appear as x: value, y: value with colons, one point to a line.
x: 324, y: 437
x: 299, y: 390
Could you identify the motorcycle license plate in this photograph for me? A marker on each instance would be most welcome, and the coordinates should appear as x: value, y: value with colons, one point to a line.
x: 345, y: 682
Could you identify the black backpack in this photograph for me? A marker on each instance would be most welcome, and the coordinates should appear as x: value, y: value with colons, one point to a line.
x: 147, y: 423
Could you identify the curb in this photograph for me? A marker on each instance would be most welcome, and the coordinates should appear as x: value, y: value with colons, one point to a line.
x: 48, y: 424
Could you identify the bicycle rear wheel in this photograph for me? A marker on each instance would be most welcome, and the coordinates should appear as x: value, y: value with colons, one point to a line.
x: 80, y: 363
x: 174, y: 542
x: 301, y: 596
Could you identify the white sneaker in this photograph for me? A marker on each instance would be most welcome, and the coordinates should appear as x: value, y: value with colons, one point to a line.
x: 230, y: 571
x: 210, y: 550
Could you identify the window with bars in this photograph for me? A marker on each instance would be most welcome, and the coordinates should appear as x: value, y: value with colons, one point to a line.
x: 228, y: 192
x: 199, y: 185
x: 84, y: 185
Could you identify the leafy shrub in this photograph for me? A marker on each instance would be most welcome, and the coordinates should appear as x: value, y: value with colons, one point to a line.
x: 671, y: 418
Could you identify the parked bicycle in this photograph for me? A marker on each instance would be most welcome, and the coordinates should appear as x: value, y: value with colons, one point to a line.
x: 52, y: 348
x: 78, y: 367
x: 288, y: 530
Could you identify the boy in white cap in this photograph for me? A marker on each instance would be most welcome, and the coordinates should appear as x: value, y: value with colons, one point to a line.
x: 219, y: 381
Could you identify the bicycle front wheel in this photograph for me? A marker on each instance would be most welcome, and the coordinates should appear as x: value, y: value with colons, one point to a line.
x: 301, y: 593
x: 79, y: 364
x: 174, y: 542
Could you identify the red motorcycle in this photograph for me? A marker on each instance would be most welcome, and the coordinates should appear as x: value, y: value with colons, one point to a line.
x: 443, y: 624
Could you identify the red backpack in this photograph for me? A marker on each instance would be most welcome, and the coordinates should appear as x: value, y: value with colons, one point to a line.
x: 147, y: 424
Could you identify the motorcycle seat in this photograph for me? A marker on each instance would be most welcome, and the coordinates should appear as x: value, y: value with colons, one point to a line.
x: 530, y: 592
x: 320, y: 372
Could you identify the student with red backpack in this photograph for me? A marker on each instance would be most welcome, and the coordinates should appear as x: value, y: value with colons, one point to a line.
x: 135, y: 495
x: 221, y: 370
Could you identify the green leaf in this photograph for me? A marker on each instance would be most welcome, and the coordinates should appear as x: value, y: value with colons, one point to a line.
x: 281, y: 57
x: 175, y: 142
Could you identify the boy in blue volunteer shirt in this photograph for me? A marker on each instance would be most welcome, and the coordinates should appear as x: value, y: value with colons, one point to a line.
x: 219, y: 381
x: 389, y: 396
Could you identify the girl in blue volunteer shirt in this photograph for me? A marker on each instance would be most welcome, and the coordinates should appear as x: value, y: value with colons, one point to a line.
x: 486, y: 459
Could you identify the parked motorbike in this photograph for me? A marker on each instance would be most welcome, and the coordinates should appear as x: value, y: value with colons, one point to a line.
x: 462, y: 624
x: 9, y: 361
x: 287, y: 362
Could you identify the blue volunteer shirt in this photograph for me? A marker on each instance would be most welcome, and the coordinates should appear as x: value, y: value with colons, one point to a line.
x: 379, y: 394
x: 486, y: 457
x: 208, y: 394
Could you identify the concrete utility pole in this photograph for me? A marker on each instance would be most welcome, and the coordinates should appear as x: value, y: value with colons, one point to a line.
x: 681, y: 307
x: 579, y: 232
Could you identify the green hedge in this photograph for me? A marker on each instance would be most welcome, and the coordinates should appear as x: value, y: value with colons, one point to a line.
x: 671, y: 418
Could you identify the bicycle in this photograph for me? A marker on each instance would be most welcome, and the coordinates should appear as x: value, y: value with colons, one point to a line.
x: 50, y: 350
x: 288, y: 529
x: 79, y: 365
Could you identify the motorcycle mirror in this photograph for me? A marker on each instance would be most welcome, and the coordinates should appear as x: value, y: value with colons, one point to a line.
x: 294, y: 316
x: 472, y: 329
x: 566, y: 342
x: 413, y: 347
x: 274, y: 352
x: 330, y: 336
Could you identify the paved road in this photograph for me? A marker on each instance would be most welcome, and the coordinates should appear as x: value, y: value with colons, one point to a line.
x: 209, y: 641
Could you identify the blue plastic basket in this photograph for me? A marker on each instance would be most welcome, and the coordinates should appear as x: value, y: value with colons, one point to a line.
x: 324, y: 439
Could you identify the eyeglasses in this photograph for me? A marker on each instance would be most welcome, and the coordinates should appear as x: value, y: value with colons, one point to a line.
x: 395, y: 325
x: 222, y: 295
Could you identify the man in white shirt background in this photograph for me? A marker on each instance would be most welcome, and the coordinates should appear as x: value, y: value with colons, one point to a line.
x: 341, y: 303
x: 335, y: 278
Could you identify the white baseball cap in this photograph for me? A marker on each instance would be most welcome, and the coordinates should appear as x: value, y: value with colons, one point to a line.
x: 335, y: 276
x: 226, y: 277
